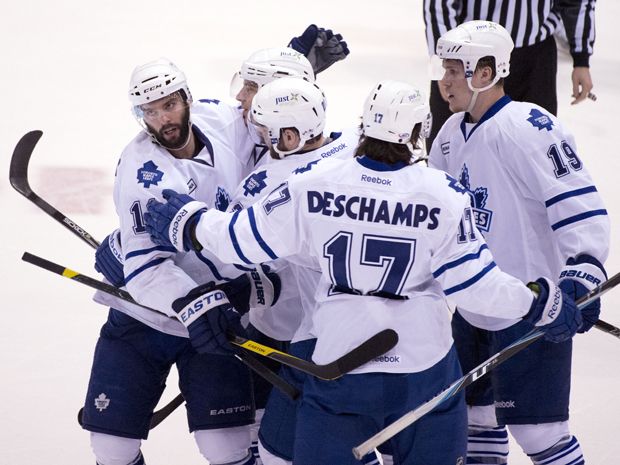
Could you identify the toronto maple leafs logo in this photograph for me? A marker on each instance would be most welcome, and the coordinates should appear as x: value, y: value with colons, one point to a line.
x: 255, y: 183
x: 102, y: 402
x: 478, y: 198
x: 222, y: 199
x: 539, y: 120
x: 149, y: 174
x: 303, y: 169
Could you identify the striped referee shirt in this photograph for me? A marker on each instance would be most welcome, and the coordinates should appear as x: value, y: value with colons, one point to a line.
x: 528, y: 21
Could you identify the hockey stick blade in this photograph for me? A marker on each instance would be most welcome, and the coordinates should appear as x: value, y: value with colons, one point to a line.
x: 18, y: 176
x: 370, y: 349
x: 481, y: 370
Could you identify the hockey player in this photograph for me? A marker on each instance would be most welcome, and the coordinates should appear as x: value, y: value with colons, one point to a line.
x: 541, y: 214
x: 293, y: 132
x: 184, y: 145
x: 226, y: 124
x: 390, y: 238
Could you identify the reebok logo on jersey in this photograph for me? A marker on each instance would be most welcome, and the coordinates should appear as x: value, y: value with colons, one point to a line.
x: 387, y: 359
x: 333, y: 150
x: 445, y: 149
x: 149, y: 174
x: 373, y: 210
x: 539, y: 120
x: 504, y: 404
x: 376, y: 180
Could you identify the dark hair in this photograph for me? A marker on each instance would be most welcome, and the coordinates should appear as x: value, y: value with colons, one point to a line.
x: 490, y: 62
x: 388, y: 152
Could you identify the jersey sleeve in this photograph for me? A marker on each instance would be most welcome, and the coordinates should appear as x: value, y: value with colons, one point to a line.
x: 151, y: 274
x: 266, y: 231
x: 552, y: 173
x: 464, y: 267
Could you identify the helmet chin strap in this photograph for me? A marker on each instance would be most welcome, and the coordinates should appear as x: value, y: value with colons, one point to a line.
x: 476, y: 91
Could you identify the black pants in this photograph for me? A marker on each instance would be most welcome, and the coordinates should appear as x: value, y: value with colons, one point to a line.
x: 533, y: 72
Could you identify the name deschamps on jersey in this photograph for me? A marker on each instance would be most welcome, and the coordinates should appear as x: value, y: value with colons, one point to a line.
x: 373, y: 210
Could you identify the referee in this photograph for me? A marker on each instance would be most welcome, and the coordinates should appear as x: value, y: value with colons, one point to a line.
x: 533, y: 63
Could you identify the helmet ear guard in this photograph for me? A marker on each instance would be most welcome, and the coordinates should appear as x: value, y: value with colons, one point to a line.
x: 392, y: 110
x: 288, y: 103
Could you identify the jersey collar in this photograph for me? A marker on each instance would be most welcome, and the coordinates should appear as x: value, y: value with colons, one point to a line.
x: 496, y: 107
x: 379, y: 166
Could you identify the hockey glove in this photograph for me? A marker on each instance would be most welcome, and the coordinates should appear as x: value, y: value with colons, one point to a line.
x: 321, y: 46
x: 109, y: 259
x: 577, y: 278
x: 170, y: 223
x: 259, y: 288
x: 553, y: 311
x: 207, y: 317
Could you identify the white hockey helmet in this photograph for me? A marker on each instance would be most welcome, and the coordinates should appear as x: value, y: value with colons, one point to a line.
x: 473, y: 40
x: 392, y: 110
x: 154, y: 80
x: 267, y: 64
x: 289, y: 103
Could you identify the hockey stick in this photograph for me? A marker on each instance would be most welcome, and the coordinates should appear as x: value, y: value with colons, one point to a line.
x: 18, y: 176
x: 481, y: 370
x: 372, y: 348
x: 254, y: 364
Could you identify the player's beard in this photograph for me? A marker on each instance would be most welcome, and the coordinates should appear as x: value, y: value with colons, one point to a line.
x: 183, y: 133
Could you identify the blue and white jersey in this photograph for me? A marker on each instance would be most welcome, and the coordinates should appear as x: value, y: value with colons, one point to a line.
x: 389, y: 240
x: 285, y: 320
x: 155, y: 276
x: 532, y: 197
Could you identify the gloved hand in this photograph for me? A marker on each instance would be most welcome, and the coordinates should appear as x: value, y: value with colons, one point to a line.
x: 553, y: 311
x: 577, y: 278
x: 208, y: 315
x: 321, y: 46
x: 170, y: 223
x: 109, y: 259
x: 259, y: 288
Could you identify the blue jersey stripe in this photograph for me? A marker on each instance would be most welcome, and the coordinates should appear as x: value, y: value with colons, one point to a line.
x: 576, y: 218
x: 159, y: 248
x: 233, y: 238
x: 258, y: 237
x: 566, y: 195
x: 148, y: 265
x: 470, y: 281
x: 213, y: 268
x: 463, y: 259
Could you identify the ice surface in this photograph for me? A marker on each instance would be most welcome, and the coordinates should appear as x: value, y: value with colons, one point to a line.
x: 65, y: 67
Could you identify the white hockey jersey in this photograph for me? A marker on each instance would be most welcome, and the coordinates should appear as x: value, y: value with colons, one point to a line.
x: 155, y: 276
x: 389, y: 241
x: 283, y: 321
x: 532, y: 197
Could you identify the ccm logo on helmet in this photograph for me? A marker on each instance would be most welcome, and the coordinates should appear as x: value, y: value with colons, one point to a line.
x: 151, y: 89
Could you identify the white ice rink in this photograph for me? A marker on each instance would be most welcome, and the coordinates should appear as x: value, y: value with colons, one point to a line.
x: 64, y: 69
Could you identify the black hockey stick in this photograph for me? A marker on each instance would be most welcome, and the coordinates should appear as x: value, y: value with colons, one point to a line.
x: 18, y: 176
x: 481, y: 370
x: 372, y: 348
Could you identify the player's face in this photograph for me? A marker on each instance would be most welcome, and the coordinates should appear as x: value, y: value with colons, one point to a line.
x: 246, y: 95
x: 453, y: 86
x: 167, y: 119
